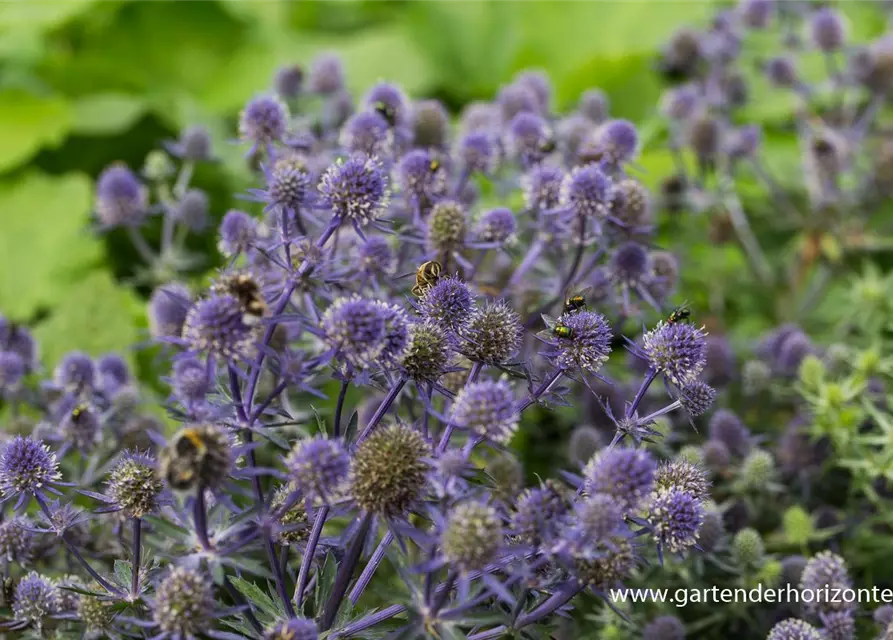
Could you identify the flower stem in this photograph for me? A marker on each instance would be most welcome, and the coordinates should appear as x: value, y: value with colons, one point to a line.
x: 141, y: 246
x: 371, y: 566
x: 309, y: 552
x: 578, y: 256
x: 382, y: 409
x: 339, y: 407
x: 136, y: 523
x: 345, y: 572
x: 200, y: 518
x: 649, y: 378
x: 542, y: 389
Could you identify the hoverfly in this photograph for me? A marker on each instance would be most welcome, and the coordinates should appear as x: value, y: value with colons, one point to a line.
x: 246, y: 291
x: 426, y: 276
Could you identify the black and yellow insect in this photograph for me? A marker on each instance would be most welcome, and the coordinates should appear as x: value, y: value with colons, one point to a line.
x: 563, y: 331
x: 548, y: 145
x: 78, y: 411
x: 574, y: 303
x: 387, y: 112
x: 246, y: 290
x: 191, y: 451
x: 426, y: 276
x: 680, y: 314
x: 435, y: 165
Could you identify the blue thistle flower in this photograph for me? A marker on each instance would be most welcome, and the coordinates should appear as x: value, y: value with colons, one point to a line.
x: 539, y: 514
x: 293, y: 629
x: 184, y: 603
x: 194, y: 145
x: 16, y: 540
x: 529, y: 138
x: 288, y: 81
x: 289, y: 186
x: 355, y: 189
x: 496, y: 225
x: 217, y: 325
x: 481, y: 116
x: 478, y: 152
x: 376, y: 257
x: 587, y: 192
x: 537, y: 81
x: 76, y: 370
x: 487, y: 409
x: 367, y: 132
x: 726, y: 427
x: 134, y: 485
x: 675, y: 517
x: 696, y: 397
x: 355, y: 329
x: 588, y: 345
x: 389, y: 470
x: 448, y: 303
x: 190, y: 380
x: 17, y: 339
x: 319, y: 467
x: 684, y: 476
x: 826, y: 569
x: 756, y: 14
x: 515, y: 99
x: 680, y: 103
x: 618, y: 141
x: 35, y: 599
x: 782, y: 72
x: 27, y: 466
x: 677, y: 350
x: 541, y: 187
x: 597, y: 521
x: 430, y: 125
x: 168, y: 307
x: 473, y: 536
x: 625, y: 474
x: 389, y: 100
x: 80, y: 425
x: 192, y: 210
x: 120, y: 198
x: 114, y: 373
x: 447, y: 227
x: 629, y: 265
x: 664, y: 628
x: 882, y: 616
x: 593, y: 105
x: 12, y: 370
x: 838, y: 625
x: 793, y: 629
x: 263, y: 121
x: 493, y: 334
x: 396, y: 333
x: 827, y: 30
x: 421, y: 177
x: 326, y: 75
x: 237, y: 233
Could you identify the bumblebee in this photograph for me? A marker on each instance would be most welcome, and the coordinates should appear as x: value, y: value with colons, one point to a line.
x: 197, y: 455
x: 387, y: 112
x: 78, y: 411
x: 679, y: 314
x: 563, y: 331
x: 426, y: 276
x: 246, y: 290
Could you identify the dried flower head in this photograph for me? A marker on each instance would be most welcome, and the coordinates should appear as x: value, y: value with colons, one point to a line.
x: 428, y: 353
x: 134, y: 484
x: 447, y: 227
x: 184, y: 603
x: 682, y: 475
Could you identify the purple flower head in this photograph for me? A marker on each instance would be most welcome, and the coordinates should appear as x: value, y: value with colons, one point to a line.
x: 80, y: 425
x: 478, y: 151
x: 396, y: 333
x: 421, y: 176
x: 120, y: 198
x: 326, y: 74
x: 827, y: 30
x: 587, y: 192
x: 17, y: 339
x: 319, y: 466
x: 684, y: 476
x: 496, y: 225
x: 263, y: 121
x: 289, y: 185
x: 618, y: 141
x: 114, y: 373
x: 597, y: 519
x: 473, y: 536
x: 726, y: 427
x: 389, y: 470
x: 756, y: 14
x: 882, y: 616
x: 190, y: 380
x: 134, y: 484
x: 630, y: 265
x: 35, y: 599
x: 293, y: 629
x: 356, y: 329
x: 572, y: 132
x: 217, y: 325
x: 16, y: 540
x: 26, y: 466
x: 593, y: 105
x: 375, y: 256
x: 481, y: 116
x: 665, y: 268
x: 631, y: 205
x: 194, y: 144
x: 588, y: 345
x: 744, y: 142
x: 168, y: 306
x: 447, y: 227
x: 192, y: 209
x: 826, y: 569
x: 541, y: 186
x: 664, y: 628
x: 697, y: 397
x: 288, y: 81
x: 793, y: 349
x: 675, y: 517
x: 12, y: 370
x: 793, y: 629
x: 487, y: 409
x: 680, y: 103
x: 781, y: 71
x: 428, y: 352
x: 369, y: 133
x: 677, y: 350
x: 493, y: 334
x: 537, y: 81
x: 184, y: 603
x: 237, y: 233
x: 430, y: 125
x: 540, y: 514
x: 75, y: 371
x: 529, y: 138
x: 712, y: 530
x: 623, y: 473
x: 516, y: 98
x: 390, y: 101
x: 355, y: 189
x: 838, y: 625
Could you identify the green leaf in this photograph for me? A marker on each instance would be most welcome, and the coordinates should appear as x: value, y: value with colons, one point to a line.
x: 94, y: 315
x: 106, y: 113
x: 29, y: 123
x: 123, y: 573
x: 42, y: 15
x: 257, y: 597
x: 45, y: 244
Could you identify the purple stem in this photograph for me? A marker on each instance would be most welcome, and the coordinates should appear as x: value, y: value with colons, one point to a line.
x: 366, y: 576
x: 199, y: 516
x: 543, y: 388
x: 309, y: 552
x: 382, y: 409
x: 558, y: 599
x: 73, y: 550
x: 533, y: 253
x: 278, y: 577
x: 578, y: 256
x: 345, y: 572
x: 259, y: 409
x: 369, y: 621
x: 649, y: 378
x: 137, y: 549
x: 340, y: 406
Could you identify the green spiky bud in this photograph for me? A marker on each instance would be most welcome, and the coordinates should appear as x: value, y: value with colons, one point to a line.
x: 748, y: 548
x: 389, y: 470
x: 473, y: 536
x: 447, y: 226
x: 135, y: 485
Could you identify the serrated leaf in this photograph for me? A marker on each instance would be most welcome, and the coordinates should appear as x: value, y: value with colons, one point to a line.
x: 29, y: 123
x: 257, y: 597
x: 325, y: 581
x: 94, y: 315
x: 45, y: 244
x: 123, y: 573
x: 106, y: 113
